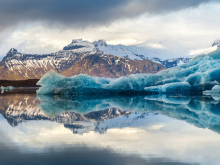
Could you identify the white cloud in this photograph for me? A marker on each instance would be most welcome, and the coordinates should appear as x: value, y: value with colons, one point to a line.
x: 158, y: 135
x: 192, y: 28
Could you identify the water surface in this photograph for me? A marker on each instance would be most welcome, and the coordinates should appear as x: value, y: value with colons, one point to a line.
x: 165, y: 129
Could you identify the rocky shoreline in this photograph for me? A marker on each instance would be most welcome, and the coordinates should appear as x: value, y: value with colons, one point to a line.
x: 20, y: 83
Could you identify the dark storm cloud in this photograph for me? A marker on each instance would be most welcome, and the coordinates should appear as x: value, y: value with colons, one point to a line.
x: 83, y: 13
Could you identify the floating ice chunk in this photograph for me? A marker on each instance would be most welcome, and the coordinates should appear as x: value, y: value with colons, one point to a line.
x: 54, y: 83
x: 196, y: 76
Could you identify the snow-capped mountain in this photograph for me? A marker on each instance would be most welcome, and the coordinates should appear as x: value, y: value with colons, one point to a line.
x: 82, y: 56
x: 139, y: 52
x: 78, y: 57
x: 166, y: 52
x: 79, y: 45
x: 216, y: 43
x: 143, y: 51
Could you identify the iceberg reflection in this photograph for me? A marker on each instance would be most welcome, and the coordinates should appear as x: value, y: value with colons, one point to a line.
x: 203, y: 112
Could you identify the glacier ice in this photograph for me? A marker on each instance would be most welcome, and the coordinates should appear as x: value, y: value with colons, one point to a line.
x: 197, y: 76
x: 178, y: 87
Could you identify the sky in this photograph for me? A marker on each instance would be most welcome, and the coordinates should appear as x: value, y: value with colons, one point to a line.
x: 40, y: 26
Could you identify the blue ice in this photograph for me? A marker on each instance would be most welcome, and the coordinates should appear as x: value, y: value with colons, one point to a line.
x: 198, y: 75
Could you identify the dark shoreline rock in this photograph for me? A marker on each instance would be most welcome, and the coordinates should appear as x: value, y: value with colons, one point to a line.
x: 20, y: 83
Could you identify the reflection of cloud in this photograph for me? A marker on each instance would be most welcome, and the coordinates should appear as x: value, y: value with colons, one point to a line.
x: 174, y: 140
x: 156, y: 127
x: 158, y: 46
x: 80, y: 155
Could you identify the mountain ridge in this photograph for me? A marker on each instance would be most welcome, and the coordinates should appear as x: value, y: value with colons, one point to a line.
x: 83, y: 57
x: 19, y: 66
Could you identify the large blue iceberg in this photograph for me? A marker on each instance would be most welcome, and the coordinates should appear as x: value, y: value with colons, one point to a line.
x: 196, y: 76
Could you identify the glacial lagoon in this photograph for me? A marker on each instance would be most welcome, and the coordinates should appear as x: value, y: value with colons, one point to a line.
x: 153, y: 129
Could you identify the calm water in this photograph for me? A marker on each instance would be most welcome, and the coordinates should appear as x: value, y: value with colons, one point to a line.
x: 116, y: 131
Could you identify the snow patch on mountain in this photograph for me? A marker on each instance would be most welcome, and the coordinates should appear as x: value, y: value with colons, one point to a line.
x: 159, y: 52
x: 216, y: 43
x: 79, y: 45
x: 156, y: 54
x: 165, y: 49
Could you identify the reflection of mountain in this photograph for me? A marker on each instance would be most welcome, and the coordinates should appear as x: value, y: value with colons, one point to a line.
x: 83, y: 115
x: 17, y: 108
x: 21, y: 108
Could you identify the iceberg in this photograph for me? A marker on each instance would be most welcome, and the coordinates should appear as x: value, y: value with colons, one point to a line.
x: 196, y: 76
x: 179, y: 87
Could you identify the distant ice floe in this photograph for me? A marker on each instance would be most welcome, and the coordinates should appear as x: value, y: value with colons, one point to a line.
x: 3, y: 89
x: 196, y: 76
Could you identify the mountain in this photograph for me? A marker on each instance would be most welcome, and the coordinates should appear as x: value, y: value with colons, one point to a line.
x: 75, y: 58
x: 216, y: 43
x: 156, y: 53
x: 97, y: 59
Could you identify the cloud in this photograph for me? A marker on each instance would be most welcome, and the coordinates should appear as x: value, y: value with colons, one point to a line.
x: 80, y: 155
x: 84, y: 13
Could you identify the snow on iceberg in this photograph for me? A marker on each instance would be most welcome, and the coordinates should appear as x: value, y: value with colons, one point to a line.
x: 196, y: 76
